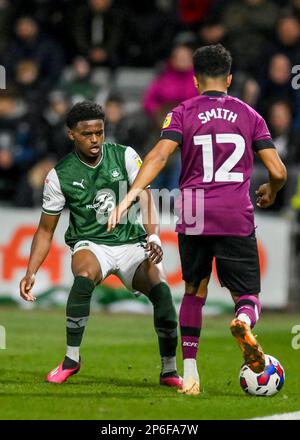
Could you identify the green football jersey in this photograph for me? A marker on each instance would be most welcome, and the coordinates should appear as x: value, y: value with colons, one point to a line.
x: 91, y: 193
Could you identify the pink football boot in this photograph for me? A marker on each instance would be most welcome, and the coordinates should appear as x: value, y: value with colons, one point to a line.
x: 171, y: 380
x: 60, y: 375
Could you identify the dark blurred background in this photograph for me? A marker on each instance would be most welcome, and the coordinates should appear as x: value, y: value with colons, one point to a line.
x: 135, y: 58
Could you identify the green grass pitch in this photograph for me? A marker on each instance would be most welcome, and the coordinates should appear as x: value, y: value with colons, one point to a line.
x: 121, y: 365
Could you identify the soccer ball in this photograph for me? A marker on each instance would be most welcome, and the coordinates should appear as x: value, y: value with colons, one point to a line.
x: 267, y: 383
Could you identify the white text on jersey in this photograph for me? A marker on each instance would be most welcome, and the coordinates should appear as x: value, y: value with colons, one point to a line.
x: 217, y: 113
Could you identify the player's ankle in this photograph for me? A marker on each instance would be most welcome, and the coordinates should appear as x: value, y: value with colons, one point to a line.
x: 190, y: 370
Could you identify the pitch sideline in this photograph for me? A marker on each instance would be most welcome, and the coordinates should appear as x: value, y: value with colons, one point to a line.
x: 284, y: 416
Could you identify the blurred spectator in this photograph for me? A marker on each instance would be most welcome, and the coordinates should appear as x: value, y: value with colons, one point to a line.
x: 248, y: 26
x: 29, y: 192
x: 280, y: 121
x: 150, y: 29
x: 20, y: 143
x: 79, y: 86
x: 125, y: 129
x: 288, y: 37
x: 29, y: 87
x: 295, y: 8
x: 55, y: 129
x: 7, y: 12
x: 287, y: 142
x: 193, y: 12
x: 212, y: 33
x: 277, y: 84
x: 246, y: 88
x: 97, y: 29
x: 174, y: 85
x: 31, y: 44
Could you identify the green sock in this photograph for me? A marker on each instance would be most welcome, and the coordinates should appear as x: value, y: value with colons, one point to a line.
x: 165, y: 319
x: 78, y: 309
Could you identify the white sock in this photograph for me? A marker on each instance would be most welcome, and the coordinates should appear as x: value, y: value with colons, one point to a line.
x: 73, y: 353
x: 190, y: 370
x: 168, y: 364
x: 245, y: 318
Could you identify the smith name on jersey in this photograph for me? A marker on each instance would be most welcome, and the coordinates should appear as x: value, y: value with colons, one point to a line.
x: 91, y: 193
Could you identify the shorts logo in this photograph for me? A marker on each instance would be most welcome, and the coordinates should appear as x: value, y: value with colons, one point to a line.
x: 83, y: 244
x: 168, y: 120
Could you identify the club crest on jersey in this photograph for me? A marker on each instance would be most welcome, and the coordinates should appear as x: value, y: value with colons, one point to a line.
x: 168, y: 120
x: 116, y: 174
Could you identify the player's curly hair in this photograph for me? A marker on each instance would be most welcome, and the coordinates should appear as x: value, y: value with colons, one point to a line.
x: 84, y: 111
x: 212, y: 61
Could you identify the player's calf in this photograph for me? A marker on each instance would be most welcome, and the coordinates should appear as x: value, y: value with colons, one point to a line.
x: 165, y: 323
x: 248, y: 309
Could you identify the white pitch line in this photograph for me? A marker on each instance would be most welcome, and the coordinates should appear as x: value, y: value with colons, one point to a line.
x: 285, y: 416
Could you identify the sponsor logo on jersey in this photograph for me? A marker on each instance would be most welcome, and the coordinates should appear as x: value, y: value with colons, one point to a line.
x: 168, y: 120
x: 103, y: 203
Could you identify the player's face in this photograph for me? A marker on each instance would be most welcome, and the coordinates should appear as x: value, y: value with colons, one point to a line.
x: 88, y: 137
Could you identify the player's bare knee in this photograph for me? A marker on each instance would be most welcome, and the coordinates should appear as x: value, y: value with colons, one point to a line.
x: 86, y: 273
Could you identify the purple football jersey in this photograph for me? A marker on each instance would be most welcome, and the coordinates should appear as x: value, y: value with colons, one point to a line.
x: 218, y: 135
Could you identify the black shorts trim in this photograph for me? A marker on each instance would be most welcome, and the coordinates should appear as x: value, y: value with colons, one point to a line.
x: 237, y: 261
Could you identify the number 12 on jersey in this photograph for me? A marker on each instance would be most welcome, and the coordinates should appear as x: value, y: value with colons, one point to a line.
x: 223, y: 174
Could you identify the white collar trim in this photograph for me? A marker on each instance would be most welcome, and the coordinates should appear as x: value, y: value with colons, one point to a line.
x: 91, y: 166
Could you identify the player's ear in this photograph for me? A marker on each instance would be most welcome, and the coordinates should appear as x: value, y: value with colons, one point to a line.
x: 70, y: 135
x: 228, y: 80
x: 196, y: 83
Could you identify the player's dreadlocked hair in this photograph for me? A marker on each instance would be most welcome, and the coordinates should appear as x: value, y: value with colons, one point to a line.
x: 213, y: 61
x: 84, y: 111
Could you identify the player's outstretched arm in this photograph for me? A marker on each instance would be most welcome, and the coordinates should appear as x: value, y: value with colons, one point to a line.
x: 39, y: 250
x: 266, y: 193
x: 151, y: 224
x: 153, y: 164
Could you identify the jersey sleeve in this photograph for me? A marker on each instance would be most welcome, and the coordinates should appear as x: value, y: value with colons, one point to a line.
x: 53, y: 198
x: 261, y: 136
x: 172, y: 128
x: 133, y: 163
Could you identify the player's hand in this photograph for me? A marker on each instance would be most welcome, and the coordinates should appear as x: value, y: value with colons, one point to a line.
x: 155, y: 251
x: 265, y: 196
x: 117, y: 214
x: 26, y: 285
